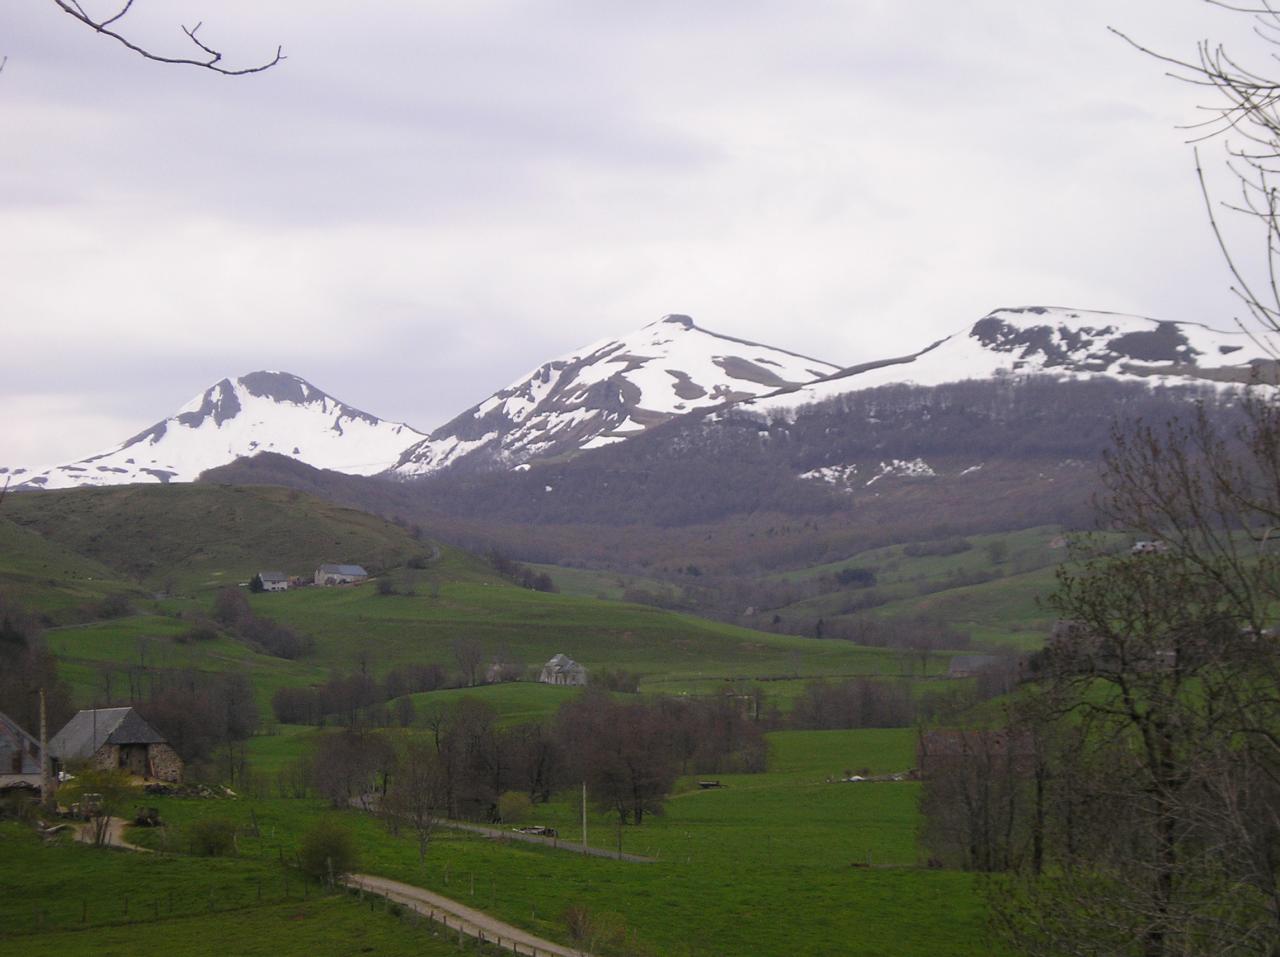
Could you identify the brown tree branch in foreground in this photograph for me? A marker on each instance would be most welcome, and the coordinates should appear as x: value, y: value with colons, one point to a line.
x: 213, y: 57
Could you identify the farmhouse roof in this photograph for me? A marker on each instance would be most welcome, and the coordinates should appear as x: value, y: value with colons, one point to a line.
x: 14, y: 739
x: 273, y: 576
x: 90, y: 730
x: 563, y: 664
x: 354, y: 570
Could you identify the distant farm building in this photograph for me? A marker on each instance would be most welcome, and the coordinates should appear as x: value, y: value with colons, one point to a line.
x: 340, y: 574
x: 563, y: 670
x: 274, y: 581
x: 1149, y: 548
x: 19, y: 757
x: 108, y: 738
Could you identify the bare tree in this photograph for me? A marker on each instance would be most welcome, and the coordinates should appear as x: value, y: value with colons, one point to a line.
x: 1245, y: 114
x: 469, y: 654
x: 418, y: 795
x: 208, y: 57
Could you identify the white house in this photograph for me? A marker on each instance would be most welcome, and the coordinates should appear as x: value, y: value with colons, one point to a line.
x: 274, y: 581
x: 340, y: 574
x: 563, y: 670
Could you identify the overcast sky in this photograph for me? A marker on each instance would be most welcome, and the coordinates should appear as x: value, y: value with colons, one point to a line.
x: 427, y: 200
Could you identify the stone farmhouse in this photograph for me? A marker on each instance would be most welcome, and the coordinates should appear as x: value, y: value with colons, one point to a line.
x: 274, y: 581
x: 563, y: 670
x: 340, y: 574
x: 108, y: 738
x: 19, y: 757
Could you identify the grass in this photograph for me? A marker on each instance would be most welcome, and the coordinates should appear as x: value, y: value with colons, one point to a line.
x: 192, y: 537
x: 774, y: 863
x: 532, y: 626
x: 88, y: 652
x: 50, y: 580
x: 70, y: 899
x: 334, y: 926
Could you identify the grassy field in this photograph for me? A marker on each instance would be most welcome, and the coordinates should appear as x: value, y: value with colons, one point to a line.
x: 786, y: 862
x: 51, y: 581
x: 191, y: 537
x: 532, y: 626
x: 71, y: 899
x: 86, y: 651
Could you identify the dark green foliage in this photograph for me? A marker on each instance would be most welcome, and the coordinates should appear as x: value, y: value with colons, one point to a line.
x: 328, y: 851
x: 211, y: 837
x: 856, y: 577
x: 255, y: 584
x: 948, y: 546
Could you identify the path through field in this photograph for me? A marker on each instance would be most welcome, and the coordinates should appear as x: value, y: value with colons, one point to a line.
x: 115, y: 835
x: 452, y: 914
x: 444, y: 910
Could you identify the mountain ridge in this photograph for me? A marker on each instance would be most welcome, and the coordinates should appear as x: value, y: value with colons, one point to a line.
x: 259, y: 411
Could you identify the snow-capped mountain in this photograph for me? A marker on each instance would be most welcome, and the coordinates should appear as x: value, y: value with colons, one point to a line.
x: 608, y: 392
x: 1067, y: 343
x: 258, y: 412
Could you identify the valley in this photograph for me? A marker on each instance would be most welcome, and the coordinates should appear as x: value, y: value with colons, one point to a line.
x: 779, y: 601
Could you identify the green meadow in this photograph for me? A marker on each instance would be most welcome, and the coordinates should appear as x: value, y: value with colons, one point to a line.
x: 790, y: 861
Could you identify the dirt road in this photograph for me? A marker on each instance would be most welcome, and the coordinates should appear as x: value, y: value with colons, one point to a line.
x: 458, y: 916
x: 115, y: 835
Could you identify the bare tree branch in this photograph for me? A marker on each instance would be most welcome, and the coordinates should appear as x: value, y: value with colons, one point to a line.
x: 212, y: 61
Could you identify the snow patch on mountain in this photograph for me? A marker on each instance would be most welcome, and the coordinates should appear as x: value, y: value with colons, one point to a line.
x: 903, y: 468
x: 1068, y: 343
x: 610, y: 391
x: 258, y: 412
x: 833, y: 474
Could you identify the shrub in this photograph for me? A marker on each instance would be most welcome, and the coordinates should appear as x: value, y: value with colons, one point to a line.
x: 212, y: 837
x: 514, y: 807
x: 328, y: 850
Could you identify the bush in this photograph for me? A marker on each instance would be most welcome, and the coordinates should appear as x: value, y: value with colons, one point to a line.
x: 212, y: 837
x: 328, y: 850
x: 514, y: 807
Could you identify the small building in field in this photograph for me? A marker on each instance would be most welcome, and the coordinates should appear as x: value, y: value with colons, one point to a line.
x: 274, y: 581
x: 563, y: 670
x: 106, y: 738
x: 19, y: 757
x: 340, y: 574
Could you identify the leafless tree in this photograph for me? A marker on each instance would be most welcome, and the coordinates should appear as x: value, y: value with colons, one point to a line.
x: 207, y: 58
x: 418, y: 794
x: 1245, y: 114
x: 469, y: 654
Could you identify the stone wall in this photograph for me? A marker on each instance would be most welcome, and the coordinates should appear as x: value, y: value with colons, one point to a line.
x: 108, y: 757
x: 165, y: 763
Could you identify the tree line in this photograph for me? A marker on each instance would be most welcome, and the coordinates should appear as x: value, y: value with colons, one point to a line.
x: 1131, y: 797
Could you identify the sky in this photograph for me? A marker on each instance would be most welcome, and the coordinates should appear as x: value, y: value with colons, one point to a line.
x: 423, y: 202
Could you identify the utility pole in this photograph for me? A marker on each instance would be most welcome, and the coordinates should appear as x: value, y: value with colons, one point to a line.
x: 46, y: 779
x: 584, y: 817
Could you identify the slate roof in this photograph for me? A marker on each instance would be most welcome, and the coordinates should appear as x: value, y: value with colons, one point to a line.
x: 563, y: 664
x: 90, y: 730
x: 273, y: 576
x: 13, y: 738
x: 350, y: 570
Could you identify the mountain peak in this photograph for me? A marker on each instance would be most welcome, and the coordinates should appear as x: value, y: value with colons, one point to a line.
x: 608, y: 392
x: 264, y: 411
x: 1064, y: 343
